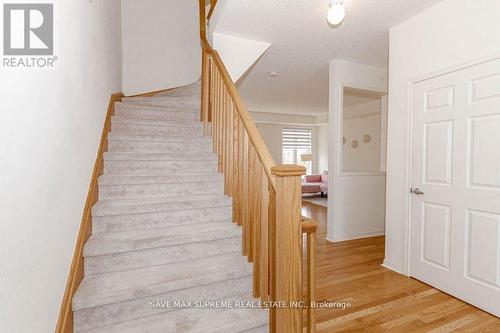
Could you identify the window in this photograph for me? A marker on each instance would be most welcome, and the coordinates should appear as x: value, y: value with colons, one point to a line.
x: 296, y: 145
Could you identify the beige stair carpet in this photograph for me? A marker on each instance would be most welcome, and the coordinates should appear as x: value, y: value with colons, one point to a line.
x: 162, y: 229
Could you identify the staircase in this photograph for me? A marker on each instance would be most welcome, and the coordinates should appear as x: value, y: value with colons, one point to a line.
x: 162, y: 229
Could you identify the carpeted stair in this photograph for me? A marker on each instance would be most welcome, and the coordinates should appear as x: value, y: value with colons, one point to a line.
x: 162, y: 229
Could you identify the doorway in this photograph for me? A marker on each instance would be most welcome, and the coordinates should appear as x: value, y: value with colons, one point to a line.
x: 359, y: 181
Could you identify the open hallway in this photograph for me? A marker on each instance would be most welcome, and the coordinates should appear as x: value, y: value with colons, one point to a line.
x: 382, y: 300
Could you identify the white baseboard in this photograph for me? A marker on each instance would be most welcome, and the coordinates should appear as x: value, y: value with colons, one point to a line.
x: 392, y: 266
x: 342, y: 238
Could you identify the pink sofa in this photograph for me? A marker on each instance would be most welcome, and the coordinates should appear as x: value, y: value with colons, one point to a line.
x: 316, y: 184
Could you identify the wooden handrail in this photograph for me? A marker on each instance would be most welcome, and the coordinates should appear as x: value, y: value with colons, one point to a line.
x: 266, y: 197
x: 213, y: 3
x: 253, y: 133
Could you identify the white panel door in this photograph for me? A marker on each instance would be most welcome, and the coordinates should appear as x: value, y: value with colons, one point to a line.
x: 455, y: 214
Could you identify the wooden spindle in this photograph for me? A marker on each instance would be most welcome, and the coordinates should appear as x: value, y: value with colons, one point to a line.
x: 212, y: 100
x: 251, y: 201
x: 218, y: 110
x: 205, y: 81
x: 236, y: 162
x: 311, y: 281
x: 264, y: 238
x: 245, y: 198
x: 241, y: 173
x: 230, y: 141
x: 224, y: 134
x: 227, y: 143
x: 257, y: 210
x: 272, y: 255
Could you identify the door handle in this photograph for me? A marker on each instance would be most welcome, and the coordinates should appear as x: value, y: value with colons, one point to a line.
x: 416, y: 191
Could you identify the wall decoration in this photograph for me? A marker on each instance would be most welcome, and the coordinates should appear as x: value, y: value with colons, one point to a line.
x: 354, y: 144
x: 344, y: 140
x: 367, y: 138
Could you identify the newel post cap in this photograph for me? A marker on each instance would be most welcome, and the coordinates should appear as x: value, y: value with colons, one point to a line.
x: 288, y: 170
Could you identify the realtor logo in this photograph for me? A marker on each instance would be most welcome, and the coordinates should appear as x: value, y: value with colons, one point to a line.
x: 28, y: 29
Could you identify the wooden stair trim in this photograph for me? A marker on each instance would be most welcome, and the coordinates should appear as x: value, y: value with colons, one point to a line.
x: 75, y: 275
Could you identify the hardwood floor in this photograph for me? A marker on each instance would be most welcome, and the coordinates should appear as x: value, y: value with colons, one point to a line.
x: 382, y: 300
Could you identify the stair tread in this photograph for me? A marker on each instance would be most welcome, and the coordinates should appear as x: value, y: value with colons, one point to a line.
x: 152, y: 156
x: 126, y: 136
x: 155, y: 122
x: 135, y: 206
x: 121, y: 286
x: 138, y: 258
x: 161, y: 98
x: 125, y: 241
x: 155, y: 108
x: 157, y: 219
x: 115, y: 180
x: 110, y: 314
x: 189, y: 320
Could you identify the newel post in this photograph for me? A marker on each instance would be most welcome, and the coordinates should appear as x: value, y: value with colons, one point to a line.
x: 288, y: 247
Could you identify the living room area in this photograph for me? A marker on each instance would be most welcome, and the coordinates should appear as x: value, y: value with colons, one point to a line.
x: 300, y: 139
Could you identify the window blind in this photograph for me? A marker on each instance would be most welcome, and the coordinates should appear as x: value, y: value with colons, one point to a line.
x: 296, y: 138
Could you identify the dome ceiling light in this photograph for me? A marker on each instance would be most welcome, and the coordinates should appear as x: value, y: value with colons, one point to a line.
x: 336, y: 13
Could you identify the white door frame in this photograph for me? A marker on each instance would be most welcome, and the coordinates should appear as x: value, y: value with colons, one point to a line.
x: 409, y: 157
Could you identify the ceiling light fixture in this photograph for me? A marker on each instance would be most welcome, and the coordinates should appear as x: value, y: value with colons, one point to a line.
x: 273, y: 74
x: 336, y: 13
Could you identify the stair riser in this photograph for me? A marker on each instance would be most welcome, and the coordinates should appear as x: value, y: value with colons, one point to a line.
x: 154, y: 122
x: 148, y: 191
x: 177, y: 103
x: 158, y: 167
x: 145, y: 113
x: 160, y: 219
x: 107, y: 180
x: 125, y: 136
x: 168, y: 157
x: 165, y: 205
x: 161, y: 239
x: 160, y: 256
x: 159, y: 147
x: 139, y: 308
x: 157, y: 130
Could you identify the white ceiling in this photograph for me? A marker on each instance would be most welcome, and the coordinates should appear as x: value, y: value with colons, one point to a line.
x: 303, y: 44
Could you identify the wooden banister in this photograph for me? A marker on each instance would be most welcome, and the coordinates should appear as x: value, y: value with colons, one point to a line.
x: 266, y: 197
x: 252, y: 131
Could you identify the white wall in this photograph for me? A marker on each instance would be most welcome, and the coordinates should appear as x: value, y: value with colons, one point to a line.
x: 356, y: 124
x: 322, y: 147
x: 366, y: 156
x: 450, y: 33
x: 271, y: 133
x: 238, y: 54
x: 161, y: 44
x: 50, y: 127
x: 357, y: 202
